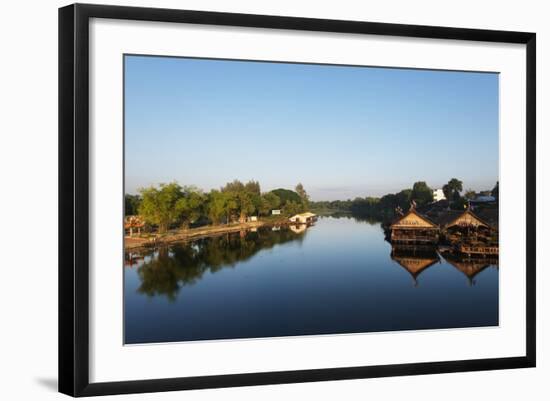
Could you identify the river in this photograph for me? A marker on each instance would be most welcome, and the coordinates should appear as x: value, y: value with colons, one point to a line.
x: 337, y: 276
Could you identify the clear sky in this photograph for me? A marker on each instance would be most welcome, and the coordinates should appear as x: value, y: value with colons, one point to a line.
x: 341, y: 131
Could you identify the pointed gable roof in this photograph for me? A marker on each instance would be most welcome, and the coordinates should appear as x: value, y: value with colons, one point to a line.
x: 413, y: 219
x: 466, y: 218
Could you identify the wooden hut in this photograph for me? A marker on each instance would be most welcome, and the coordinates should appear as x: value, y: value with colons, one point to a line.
x: 132, y: 223
x: 303, y: 218
x: 469, y: 233
x: 465, y: 219
x: 414, y: 228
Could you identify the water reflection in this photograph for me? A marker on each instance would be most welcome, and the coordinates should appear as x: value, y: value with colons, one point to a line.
x: 167, y: 269
x: 338, y: 276
x: 415, y: 260
x: 471, y: 267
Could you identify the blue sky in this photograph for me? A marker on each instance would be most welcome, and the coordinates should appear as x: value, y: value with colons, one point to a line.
x: 341, y: 131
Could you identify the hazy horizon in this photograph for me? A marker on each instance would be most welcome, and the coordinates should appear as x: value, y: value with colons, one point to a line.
x: 343, y: 132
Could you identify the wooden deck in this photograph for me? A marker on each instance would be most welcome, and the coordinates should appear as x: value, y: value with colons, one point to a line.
x: 478, y: 250
x: 414, y: 237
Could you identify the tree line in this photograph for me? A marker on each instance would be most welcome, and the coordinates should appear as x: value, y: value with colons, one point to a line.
x: 384, y: 208
x: 170, y: 205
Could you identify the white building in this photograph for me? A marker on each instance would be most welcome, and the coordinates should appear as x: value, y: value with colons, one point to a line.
x: 438, y: 195
x: 303, y: 218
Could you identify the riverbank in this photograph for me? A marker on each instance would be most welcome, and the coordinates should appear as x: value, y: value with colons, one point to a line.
x: 182, y: 235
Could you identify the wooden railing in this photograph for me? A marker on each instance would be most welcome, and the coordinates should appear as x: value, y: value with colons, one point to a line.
x: 479, y: 250
x: 416, y: 238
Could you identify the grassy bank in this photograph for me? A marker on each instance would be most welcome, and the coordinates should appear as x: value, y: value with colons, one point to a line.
x: 189, y: 234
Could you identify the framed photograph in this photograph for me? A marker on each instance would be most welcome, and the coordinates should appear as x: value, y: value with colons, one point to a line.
x: 251, y: 199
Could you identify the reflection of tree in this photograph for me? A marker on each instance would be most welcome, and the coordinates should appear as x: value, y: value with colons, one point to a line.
x: 160, y: 276
x: 173, y: 267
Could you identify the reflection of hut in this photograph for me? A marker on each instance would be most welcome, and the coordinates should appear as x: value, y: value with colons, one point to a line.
x: 131, y: 259
x: 414, y: 228
x: 415, y: 262
x: 470, y: 267
x: 298, y: 228
x: 303, y: 218
x: 132, y: 223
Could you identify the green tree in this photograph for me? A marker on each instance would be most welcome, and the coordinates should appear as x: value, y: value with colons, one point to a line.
x: 231, y: 190
x: 302, y: 194
x: 161, y: 206
x: 131, y: 204
x: 403, y: 198
x: 291, y: 208
x: 452, y: 189
x: 364, y: 207
x: 470, y: 194
x: 246, y: 198
x: 460, y: 203
x: 191, y: 205
x: 421, y: 193
x: 231, y: 206
x: 245, y: 205
x: 269, y: 201
x: 286, y: 195
x: 233, y: 186
x: 252, y: 187
x: 217, y: 206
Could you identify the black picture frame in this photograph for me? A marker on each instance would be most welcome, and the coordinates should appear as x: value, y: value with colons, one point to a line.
x: 74, y: 198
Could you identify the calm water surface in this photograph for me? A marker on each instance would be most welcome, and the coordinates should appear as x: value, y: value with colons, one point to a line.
x: 338, y: 276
